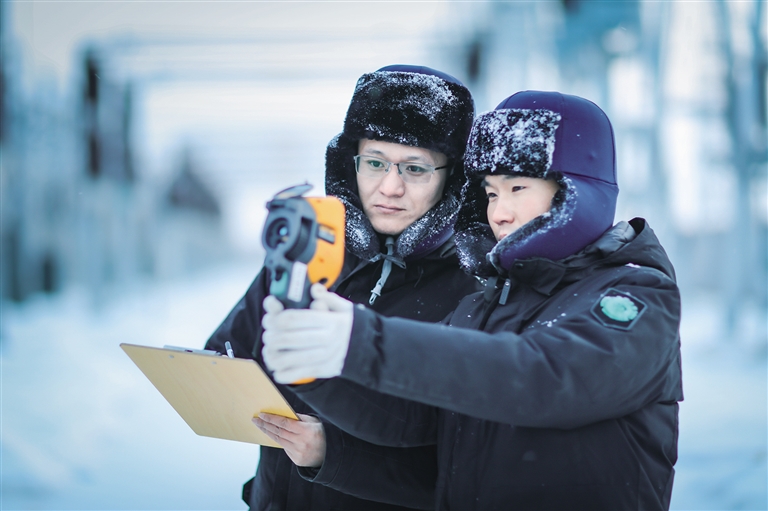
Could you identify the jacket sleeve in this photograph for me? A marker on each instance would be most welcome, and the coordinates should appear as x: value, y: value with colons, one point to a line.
x: 372, y: 416
x: 403, y: 477
x: 242, y: 327
x: 560, y: 374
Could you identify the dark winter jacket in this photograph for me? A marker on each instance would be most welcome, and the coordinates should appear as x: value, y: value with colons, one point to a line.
x: 427, y: 289
x: 407, y: 105
x: 555, y: 388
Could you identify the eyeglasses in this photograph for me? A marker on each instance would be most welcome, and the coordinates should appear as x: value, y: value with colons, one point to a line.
x: 410, y: 172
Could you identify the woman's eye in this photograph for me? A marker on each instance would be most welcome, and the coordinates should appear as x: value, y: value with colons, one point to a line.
x: 517, y: 188
x: 490, y: 195
x: 376, y: 164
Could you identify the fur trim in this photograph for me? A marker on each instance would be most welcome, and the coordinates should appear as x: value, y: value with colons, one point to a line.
x: 512, y: 142
x: 415, y: 109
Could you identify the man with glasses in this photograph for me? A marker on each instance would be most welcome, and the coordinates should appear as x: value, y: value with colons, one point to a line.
x: 394, y: 200
x: 397, y: 167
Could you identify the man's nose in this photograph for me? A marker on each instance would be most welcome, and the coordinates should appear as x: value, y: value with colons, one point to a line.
x: 392, y: 184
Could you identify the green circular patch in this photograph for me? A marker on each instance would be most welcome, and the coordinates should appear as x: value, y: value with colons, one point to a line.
x: 619, y: 308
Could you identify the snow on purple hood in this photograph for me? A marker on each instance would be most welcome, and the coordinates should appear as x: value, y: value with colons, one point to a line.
x: 543, y: 135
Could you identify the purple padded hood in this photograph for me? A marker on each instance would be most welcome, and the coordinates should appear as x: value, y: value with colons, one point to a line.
x: 539, y: 134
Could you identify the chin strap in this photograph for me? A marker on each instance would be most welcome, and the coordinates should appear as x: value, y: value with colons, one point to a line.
x: 386, y: 268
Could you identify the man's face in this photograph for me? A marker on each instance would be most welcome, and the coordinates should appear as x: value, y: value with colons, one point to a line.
x: 390, y: 204
x: 514, y: 201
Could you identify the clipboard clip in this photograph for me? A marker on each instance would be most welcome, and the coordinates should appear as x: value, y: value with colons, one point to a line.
x: 192, y: 350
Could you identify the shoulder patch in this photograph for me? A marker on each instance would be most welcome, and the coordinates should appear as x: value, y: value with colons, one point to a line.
x: 617, y: 309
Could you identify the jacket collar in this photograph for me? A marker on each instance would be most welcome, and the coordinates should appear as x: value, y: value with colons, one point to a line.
x: 542, y: 275
x: 630, y: 242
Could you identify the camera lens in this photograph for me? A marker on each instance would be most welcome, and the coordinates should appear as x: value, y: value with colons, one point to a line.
x: 277, y: 232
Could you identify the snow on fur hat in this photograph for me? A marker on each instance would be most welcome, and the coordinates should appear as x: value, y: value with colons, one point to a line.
x: 414, y: 106
x: 543, y: 135
x: 410, y: 105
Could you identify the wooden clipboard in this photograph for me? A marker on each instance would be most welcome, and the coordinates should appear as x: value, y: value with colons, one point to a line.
x: 217, y: 396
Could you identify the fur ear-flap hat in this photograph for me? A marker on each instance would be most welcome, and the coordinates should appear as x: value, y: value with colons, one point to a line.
x: 546, y: 135
x: 409, y: 105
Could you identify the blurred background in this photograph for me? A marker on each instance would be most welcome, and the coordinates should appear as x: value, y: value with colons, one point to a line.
x: 139, y: 142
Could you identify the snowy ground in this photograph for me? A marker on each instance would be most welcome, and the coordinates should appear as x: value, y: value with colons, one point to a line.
x: 83, y: 429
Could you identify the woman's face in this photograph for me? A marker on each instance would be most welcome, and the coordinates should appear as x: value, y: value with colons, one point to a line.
x: 513, y: 201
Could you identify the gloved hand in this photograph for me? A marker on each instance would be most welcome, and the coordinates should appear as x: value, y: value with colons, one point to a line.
x: 307, y: 343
